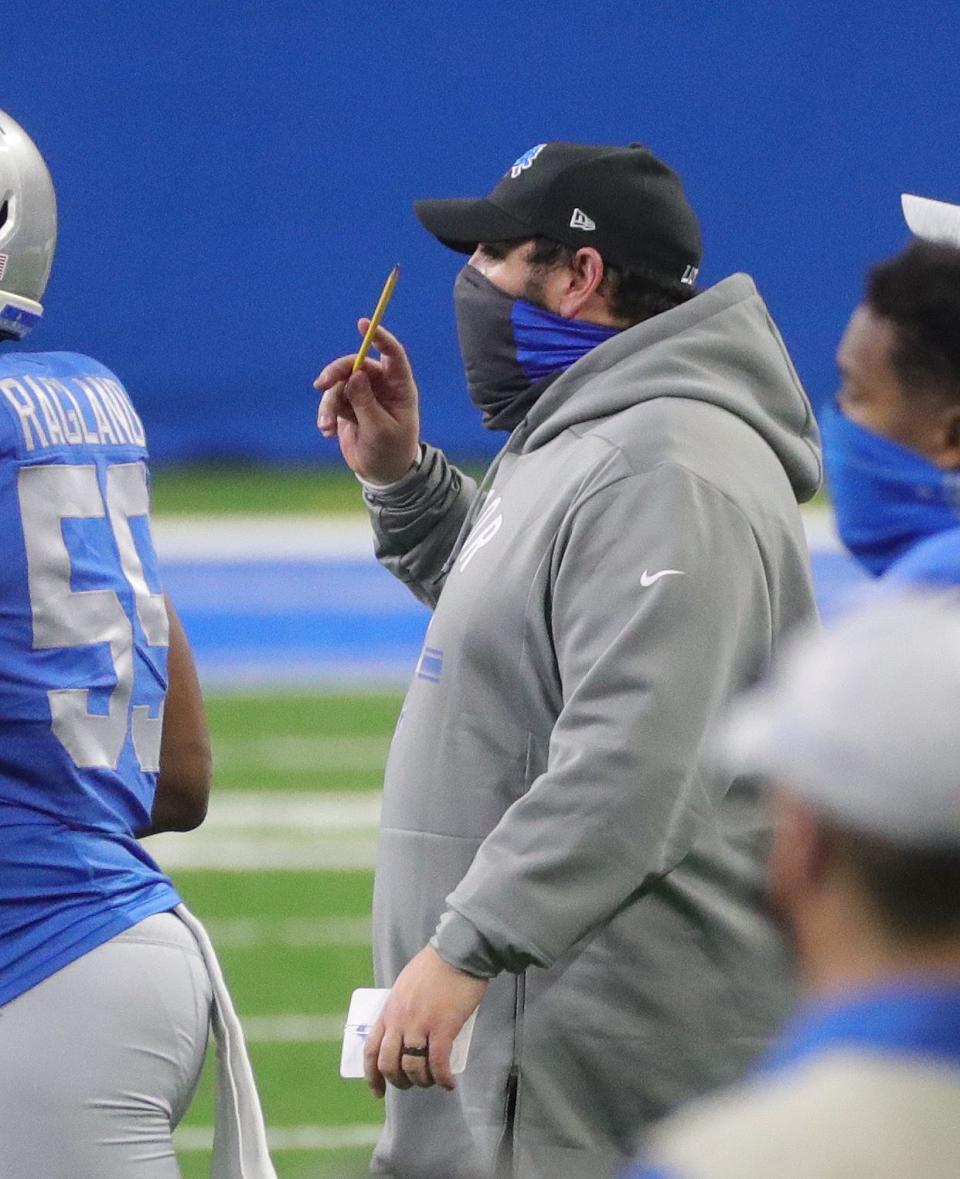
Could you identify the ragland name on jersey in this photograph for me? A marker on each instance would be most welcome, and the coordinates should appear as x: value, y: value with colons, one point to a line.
x: 69, y: 410
x: 83, y: 666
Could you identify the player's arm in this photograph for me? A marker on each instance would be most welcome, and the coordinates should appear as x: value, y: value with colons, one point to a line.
x: 183, y: 784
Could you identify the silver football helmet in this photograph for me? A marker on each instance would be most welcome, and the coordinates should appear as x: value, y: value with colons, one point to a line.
x: 28, y: 229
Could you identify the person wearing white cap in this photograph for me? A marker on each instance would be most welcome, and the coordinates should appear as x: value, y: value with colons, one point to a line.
x: 858, y: 734
x: 892, y: 439
x: 934, y: 221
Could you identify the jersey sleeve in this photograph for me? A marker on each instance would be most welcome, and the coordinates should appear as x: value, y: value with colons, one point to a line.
x: 934, y: 563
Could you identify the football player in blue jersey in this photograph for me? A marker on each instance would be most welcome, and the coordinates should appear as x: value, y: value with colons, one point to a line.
x: 106, y: 992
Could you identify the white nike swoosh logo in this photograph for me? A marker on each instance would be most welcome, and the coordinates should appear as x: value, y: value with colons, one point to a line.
x: 649, y: 578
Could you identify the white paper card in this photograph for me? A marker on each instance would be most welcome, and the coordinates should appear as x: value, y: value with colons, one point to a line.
x: 366, y: 1003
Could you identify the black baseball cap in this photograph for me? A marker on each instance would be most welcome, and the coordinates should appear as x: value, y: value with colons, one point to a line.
x: 621, y: 200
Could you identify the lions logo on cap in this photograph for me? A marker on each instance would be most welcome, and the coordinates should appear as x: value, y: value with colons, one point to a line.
x: 526, y: 160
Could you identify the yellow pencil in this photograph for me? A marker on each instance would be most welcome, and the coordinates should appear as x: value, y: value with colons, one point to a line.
x: 376, y: 317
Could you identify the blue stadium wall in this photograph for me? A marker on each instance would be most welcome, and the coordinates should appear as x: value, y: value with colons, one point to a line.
x: 235, y: 178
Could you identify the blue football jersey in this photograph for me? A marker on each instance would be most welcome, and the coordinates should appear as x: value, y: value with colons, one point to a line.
x: 934, y: 563
x: 83, y: 666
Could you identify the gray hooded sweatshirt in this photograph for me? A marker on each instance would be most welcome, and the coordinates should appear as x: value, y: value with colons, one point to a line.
x: 633, y: 559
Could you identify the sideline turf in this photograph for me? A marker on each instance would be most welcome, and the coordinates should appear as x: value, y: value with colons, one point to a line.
x: 238, y: 489
x: 246, y: 724
x: 299, y: 1082
x: 302, y: 714
x: 254, y: 490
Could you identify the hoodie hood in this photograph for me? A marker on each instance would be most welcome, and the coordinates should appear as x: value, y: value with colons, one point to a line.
x: 721, y: 347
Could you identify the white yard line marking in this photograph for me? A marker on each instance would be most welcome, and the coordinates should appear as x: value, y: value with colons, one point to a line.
x: 262, y: 538
x: 249, y: 830
x: 821, y: 530
x: 301, y: 753
x: 242, y: 933
x: 330, y: 538
x: 193, y: 1138
x: 272, y: 671
x: 280, y: 854
x: 268, y: 810
x: 293, y: 1029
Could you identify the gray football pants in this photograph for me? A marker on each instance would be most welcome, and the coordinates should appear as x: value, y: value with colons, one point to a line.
x: 99, y: 1061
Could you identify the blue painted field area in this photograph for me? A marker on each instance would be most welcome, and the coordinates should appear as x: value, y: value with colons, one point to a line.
x: 268, y: 604
x: 255, y: 624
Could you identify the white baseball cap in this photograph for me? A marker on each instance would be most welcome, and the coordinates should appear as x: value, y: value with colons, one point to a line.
x: 863, y: 721
x: 935, y: 221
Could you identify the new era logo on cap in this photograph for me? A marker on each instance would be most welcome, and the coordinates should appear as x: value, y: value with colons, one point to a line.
x: 580, y: 220
x: 4, y: 259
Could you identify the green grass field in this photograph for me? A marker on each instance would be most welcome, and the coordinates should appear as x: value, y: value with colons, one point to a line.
x: 293, y: 943
x: 251, y: 490
x: 240, y: 489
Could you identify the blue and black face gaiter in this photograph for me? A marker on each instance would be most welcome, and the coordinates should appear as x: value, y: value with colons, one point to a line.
x: 512, y: 350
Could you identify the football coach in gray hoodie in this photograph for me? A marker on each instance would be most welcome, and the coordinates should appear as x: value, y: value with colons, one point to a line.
x: 553, y: 846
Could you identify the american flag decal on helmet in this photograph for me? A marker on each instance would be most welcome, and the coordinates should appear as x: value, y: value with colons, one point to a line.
x: 4, y: 259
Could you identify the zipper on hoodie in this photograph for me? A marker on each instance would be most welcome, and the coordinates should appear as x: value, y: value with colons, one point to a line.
x: 505, y: 1162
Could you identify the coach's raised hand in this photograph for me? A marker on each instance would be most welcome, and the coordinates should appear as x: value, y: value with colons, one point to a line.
x: 373, y: 412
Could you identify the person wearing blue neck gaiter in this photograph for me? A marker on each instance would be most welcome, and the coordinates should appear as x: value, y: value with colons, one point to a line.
x: 892, y: 439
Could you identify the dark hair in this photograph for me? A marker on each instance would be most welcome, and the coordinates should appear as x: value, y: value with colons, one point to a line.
x: 915, y: 892
x: 919, y: 292
x: 634, y: 293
